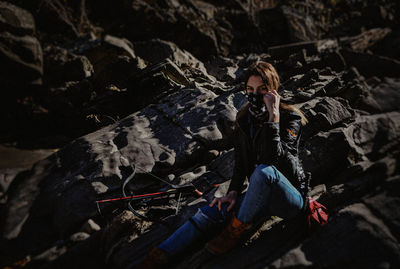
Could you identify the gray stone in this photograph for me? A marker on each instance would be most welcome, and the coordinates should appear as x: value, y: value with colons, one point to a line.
x: 7, y: 176
x: 224, y: 164
x: 16, y: 68
x: 337, y: 149
x: 204, y: 115
x: 90, y: 227
x: 61, y: 66
x: 385, y: 203
x: 384, y: 97
x: 360, y: 240
x: 16, y: 20
x: 77, y: 237
x: 324, y: 114
x: 302, y: 25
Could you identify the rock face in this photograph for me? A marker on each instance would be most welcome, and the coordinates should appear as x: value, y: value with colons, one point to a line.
x: 61, y: 66
x: 20, y: 51
x: 139, y: 139
x: 152, y: 88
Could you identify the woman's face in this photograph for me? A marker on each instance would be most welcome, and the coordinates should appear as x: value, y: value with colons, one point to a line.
x: 256, y: 84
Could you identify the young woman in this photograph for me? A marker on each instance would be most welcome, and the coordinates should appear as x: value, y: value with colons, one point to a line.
x: 266, y: 139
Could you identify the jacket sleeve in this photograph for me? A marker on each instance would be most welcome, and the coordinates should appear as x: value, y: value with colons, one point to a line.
x: 283, y: 142
x: 239, y: 173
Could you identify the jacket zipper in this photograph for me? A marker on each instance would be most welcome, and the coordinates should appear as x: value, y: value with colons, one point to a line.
x: 254, y: 146
x: 247, y: 140
x: 252, y: 142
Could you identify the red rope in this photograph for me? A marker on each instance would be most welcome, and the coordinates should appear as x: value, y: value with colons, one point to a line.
x: 130, y: 197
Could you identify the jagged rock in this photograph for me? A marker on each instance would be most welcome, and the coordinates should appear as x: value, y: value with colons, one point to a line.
x: 121, y: 45
x: 20, y: 51
x: 16, y: 20
x: 156, y: 81
x: 312, y: 84
x: 372, y: 65
x: 324, y: 114
x: 196, y: 30
x: 217, y: 114
x: 223, y: 69
x: 106, y: 156
x: 360, y: 239
x: 235, y: 4
x: 77, y: 237
x: 328, y: 44
x: 357, y: 181
x: 302, y: 26
x: 122, y: 225
x: 107, y: 107
x: 59, y: 21
x: 387, y: 46
x: 245, y: 35
x: 384, y: 204
x: 211, y: 155
x: 365, y: 40
x: 61, y: 66
x: 329, y: 153
x: 329, y: 59
x: 223, y: 165
x: 384, y: 97
x: 7, y: 176
x: 245, y: 60
x: 274, y: 26
x: 372, y: 95
x: 133, y: 248
x: 156, y: 20
x: 286, y: 50
x: 190, y: 176
x: 355, y: 88
x: 48, y: 255
x: 90, y: 227
x: 305, y: 62
x: 114, y: 62
x: 375, y: 98
x: 304, y: 81
x: 354, y: 17
x: 14, y: 159
x: 68, y: 99
x: 155, y: 51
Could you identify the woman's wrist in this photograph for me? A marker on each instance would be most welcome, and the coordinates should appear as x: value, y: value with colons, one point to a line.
x: 274, y: 117
x: 234, y: 193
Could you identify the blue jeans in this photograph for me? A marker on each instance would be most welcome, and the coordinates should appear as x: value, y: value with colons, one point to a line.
x: 269, y: 194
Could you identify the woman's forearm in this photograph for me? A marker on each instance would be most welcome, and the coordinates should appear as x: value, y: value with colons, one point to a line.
x: 274, y: 118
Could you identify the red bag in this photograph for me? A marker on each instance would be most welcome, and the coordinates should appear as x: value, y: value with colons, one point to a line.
x: 317, y: 214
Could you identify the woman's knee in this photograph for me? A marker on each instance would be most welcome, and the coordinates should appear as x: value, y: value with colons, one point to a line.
x: 264, y: 174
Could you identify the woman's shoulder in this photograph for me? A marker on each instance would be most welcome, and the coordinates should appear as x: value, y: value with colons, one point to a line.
x: 242, y: 112
x: 289, y: 113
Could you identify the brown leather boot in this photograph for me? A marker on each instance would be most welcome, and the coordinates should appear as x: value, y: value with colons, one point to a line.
x: 228, y: 238
x: 156, y: 258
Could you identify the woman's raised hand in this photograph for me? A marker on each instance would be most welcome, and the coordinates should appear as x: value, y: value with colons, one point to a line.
x: 272, y: 100
x: 229, y: 198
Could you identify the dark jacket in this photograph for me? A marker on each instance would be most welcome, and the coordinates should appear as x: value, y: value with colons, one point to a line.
x: 274, y: 143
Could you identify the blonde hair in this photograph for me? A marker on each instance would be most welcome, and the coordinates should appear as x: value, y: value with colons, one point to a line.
x: 271, y: 79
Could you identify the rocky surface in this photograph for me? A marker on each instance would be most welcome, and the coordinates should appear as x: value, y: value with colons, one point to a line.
x: 156, y: 85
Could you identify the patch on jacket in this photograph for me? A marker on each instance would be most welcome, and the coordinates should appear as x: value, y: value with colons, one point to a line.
x: 291, y: 132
